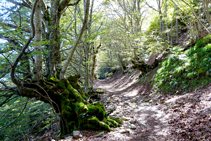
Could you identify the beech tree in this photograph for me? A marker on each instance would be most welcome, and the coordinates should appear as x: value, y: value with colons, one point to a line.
x: 42, y: 50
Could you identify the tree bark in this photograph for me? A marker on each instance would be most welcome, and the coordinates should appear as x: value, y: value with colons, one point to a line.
x: 161, y: 16
x: 94, y: 60
x: 54, y: 47
x: 38, y: 39
x: 166, y: 19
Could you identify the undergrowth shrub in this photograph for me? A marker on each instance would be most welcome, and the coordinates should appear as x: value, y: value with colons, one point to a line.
x: 184, y: 71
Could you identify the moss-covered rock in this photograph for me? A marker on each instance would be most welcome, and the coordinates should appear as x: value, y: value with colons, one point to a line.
x: 117, y: 119
x: 94, y: 124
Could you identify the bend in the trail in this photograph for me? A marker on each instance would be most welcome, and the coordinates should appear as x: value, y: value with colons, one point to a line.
x: 141, y: 119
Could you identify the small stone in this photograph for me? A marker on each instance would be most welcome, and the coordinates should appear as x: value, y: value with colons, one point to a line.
x: 101, y: 134
x: 77, y: 134
x: 124, y: 131
x: 117, y: 112
x: 125, y: 118
x: 133, y: 101
x: 126, y: 103
x: 132, y: 126
x: 119, y: 116
x: 116, y: 116
x: 116, y: 99
x: 121, y: 104
x: 128, y: 113
x: 142, y: 124
x: 133, y: 121
x: 128, y: 125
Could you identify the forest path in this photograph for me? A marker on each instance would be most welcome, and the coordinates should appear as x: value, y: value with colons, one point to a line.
x: 154, y: 117
x: 129, y: 99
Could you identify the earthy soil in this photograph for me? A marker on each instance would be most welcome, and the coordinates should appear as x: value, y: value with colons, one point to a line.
x: 147, y: 116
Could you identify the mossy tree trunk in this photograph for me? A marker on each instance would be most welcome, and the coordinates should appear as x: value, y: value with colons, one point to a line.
x: 71, y: 104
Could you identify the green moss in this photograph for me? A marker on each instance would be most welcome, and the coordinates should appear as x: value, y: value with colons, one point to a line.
x: 69, y: 86
x: 112, y: 122
x: 118, y: 120
x: 100, y: 91
x: 97, y: 103
x: 73, y: 78
x: 104, y: 126
x: 80, y: 107
x: 52, y: 79
x: 94, y: 124
x: 76, y: 112
x: 75, y: 94
x: 147, y: 100
x: 98, y: 110
x: 108, y: 102
x: 61, y: 85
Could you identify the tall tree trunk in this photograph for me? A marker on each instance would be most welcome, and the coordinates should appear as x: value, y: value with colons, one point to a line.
x: 161, y: 16
x: 199, y: 24
x: 54, y: 37
x: 166, y: 19
x: 94, y: 60
x: 172, y: 22
x: 177, y: 29
x: 38, y: 37
x: 86, y: 69
x: 25, y: 67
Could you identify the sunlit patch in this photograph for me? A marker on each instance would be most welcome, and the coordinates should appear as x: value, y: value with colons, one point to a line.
x: 132, y: 93
x: 174, y: 99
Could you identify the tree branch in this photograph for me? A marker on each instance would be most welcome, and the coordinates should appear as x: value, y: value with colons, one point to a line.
x: 7, y: 99
x: 3, y: 84
x: 9, y: 39
x: 72, y: 4
x: 65, y: 3
x: 12, y: 73
x: 20, y: 4
x: 151, y: 6
x: 62, y: 73
x: 14, y: 26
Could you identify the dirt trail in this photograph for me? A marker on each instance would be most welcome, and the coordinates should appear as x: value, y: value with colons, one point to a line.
x: 154, y: 117
x: 141, y: 119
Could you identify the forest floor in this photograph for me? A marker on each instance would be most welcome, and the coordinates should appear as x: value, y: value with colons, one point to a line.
x: 151, y: 117
x: 147, y: 116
